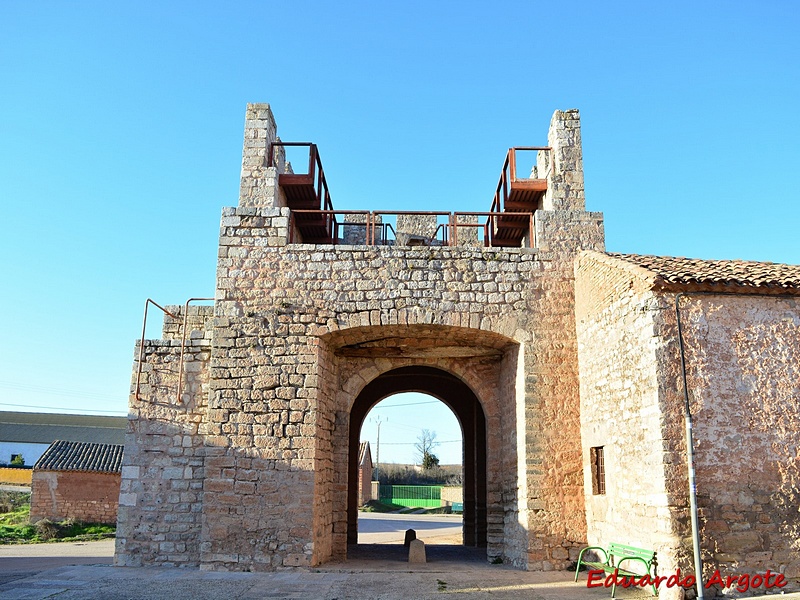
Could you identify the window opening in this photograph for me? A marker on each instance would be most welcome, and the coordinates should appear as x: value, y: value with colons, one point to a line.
x: 598, y: 470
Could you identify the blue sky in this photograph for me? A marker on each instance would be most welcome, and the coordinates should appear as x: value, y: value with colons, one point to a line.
x: 121, y: 130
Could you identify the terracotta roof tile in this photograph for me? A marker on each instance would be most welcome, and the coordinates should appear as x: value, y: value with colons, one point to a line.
x: 81, y: 456
x: 677, y: 271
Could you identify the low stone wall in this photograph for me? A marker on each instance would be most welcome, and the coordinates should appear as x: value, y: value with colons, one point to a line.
x: 452, y: 494
x: 83, y: 496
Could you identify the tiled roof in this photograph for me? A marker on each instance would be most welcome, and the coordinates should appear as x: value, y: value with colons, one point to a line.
x: 678, y: 272
x: 43, y: 428
x: 81, y: 456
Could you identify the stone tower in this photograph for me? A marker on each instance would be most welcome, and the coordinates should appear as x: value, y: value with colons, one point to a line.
x: 252, y: 465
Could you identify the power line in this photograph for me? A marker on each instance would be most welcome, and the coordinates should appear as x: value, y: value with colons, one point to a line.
x: 409, y: 404
x: 27, y: 387
x: 119, y: 412
x: 413, y: 443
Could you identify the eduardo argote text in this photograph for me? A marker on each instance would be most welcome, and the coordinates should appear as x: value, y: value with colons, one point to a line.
x: 742, y: 582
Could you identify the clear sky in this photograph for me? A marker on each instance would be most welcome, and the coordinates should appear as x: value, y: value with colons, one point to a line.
x: 121, y: 132
x: 402, y: 418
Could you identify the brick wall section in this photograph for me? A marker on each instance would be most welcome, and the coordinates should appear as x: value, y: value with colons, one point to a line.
x: 552, y: 392
x: 364, y: 484
x: 82, y: 496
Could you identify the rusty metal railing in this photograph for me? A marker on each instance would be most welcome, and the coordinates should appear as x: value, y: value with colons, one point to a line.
x: 490, y: 225
x: 445, y: 233
x: 427, y: 240
x: 508, y: 176
x: 315, y: 173
x: 335, y: 226
x: 183, y: 345
x: 147, y: 304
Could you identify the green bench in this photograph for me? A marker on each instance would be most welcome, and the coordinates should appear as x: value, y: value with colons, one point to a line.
x: 615, y: 555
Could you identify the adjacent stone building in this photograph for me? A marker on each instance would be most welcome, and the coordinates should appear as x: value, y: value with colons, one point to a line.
x: 242, y: 448
x: 740, y: 325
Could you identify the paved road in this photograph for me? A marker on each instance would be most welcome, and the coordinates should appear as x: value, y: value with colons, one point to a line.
x: 387, y: 577
x: 374, y: 528
x: 37, y: 557
x: 10, y: 487
x: 382, y: 528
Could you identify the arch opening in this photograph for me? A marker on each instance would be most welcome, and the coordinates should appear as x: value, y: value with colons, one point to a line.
x: 416, y: 445
x: 466, y: 407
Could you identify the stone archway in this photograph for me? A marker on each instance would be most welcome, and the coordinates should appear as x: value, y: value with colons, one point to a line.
x: 476, y: 373
x: 468, y: 410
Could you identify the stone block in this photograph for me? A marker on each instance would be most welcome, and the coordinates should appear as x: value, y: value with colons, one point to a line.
x: 416, y: 552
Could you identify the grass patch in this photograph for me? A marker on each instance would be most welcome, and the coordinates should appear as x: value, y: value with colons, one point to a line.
x: 50, y: 531
x: 381, y: 507
x: 15, y: 526
x: 12, y: 501
x: 407, y: 510
x: 439, y: 510
x: 388, y: 507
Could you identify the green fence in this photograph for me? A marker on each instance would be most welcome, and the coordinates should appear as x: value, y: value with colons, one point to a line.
x: 424, y: 496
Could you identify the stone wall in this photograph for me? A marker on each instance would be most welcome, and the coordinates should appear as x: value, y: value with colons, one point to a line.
x: 163, y: 468
x: 250, y: 469
x: 742, y: 354
x: 451, y: 494
x: 622, y: 411
x: 301, y: 297
x: 83, y: 496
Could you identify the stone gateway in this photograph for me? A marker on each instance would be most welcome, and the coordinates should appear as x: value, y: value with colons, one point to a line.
x: 560, y: 361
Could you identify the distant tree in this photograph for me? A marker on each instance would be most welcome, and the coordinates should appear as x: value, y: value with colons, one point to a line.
x: 394, y: 474
x: 426, y: 442
x: 429, y: 462
x: 17, y: 461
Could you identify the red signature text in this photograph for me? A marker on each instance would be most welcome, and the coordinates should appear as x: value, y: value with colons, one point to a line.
x: 742, y: 582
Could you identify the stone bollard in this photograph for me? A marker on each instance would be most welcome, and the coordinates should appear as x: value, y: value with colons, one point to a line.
x: 416, y: 552
x: 410, y: 535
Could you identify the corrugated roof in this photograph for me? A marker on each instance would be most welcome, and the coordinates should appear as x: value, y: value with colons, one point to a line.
x: 43, y: 428
x: 81, y: 456
x: 678, y: 271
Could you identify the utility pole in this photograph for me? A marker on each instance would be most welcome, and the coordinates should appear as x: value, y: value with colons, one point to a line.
x: 378, y: 420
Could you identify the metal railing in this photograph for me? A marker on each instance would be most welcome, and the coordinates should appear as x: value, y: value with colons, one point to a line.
x: 315, y: 173
x: 508, y: 176
x: 380, y: 228
x: 419, y: 496
x: 140, y: 362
